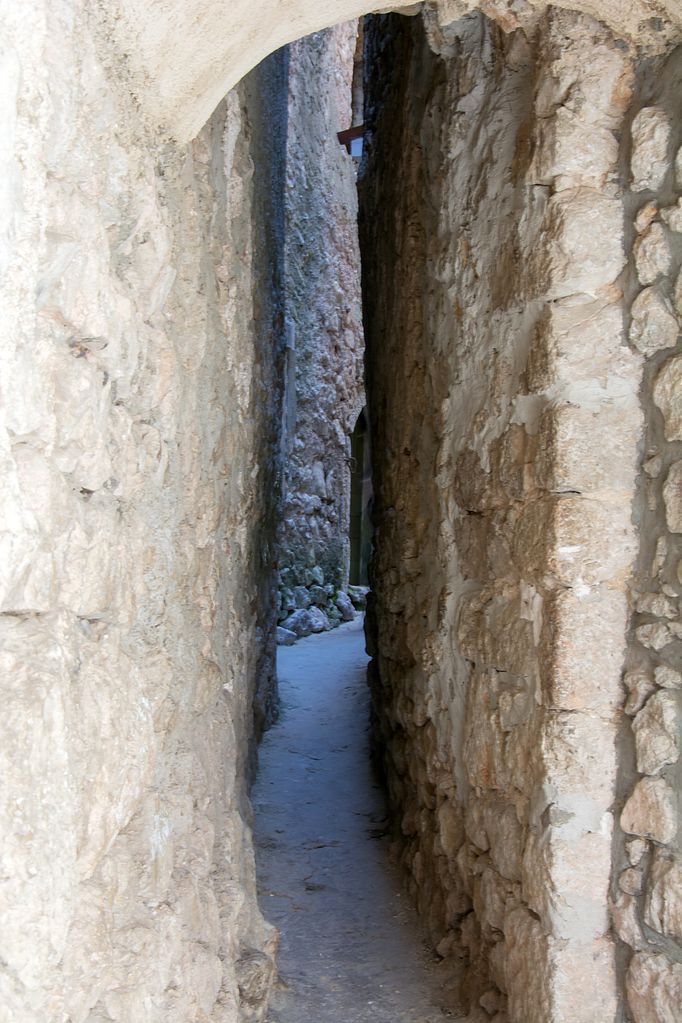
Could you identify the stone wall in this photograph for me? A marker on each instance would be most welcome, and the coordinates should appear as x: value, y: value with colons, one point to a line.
x: 647, y: 884
x: 325, y: 388
x: 505, y: 421
x: 141, y: 314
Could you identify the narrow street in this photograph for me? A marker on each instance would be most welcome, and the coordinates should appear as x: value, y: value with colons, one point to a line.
x: 350, y: 951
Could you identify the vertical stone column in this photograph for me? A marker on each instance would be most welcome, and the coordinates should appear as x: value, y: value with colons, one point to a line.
x: 578, y: 542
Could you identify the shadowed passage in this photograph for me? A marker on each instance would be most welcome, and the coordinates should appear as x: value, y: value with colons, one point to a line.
x: 350, y: 950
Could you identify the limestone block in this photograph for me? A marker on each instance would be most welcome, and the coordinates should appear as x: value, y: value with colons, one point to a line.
x: 630, y: 881
x: 39, y: 812
x: 593, y: 541
x: 655, y: 636
x: 636, y: 848
x: 345, y: 606
x: 678, y: 167
x: 668, y: 396
x: 484, y: 744
x: 285, y: 637
x: 640, y: 686
x: 656, y: 604
x: 650, y: 139
x: 673, y: 216
x: 537, y: 969
x: 677, y: 294
x: 626, y: 921
x: 645, y: 216
x: 493, y: 630
x: 561, y: 142
x: 565, y: 881
x: 506, y: 841
x: 654, y: 325
x: 568, y: 459
x: 575, y: 341
x: 586, y: 629
x: 672, y: 497
x: 667, y: 677
x: 656, y: 729
x: 594, y: 963
x: 527, y: 969
x: 663, y: 905
x: 583, y: 234
x: 306, y: 621
x: 654, y: 988
x: 319, y: 596
x: 492, y: 896
x: 652, y: 255
x: 302, y: 598
x: 651, y: 811
x: 450, y: 827
x: 578, y: 751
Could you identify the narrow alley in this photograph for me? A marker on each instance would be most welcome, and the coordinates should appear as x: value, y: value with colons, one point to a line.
x: 350, y: 949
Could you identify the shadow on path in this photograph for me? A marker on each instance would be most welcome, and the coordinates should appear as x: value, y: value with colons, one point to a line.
x: 350, y: 951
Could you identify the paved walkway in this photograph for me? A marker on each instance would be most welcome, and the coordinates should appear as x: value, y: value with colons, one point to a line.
x: 349, y: 949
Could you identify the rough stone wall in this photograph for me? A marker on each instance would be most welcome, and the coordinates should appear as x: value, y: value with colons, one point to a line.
x: 141, y: 314
x: 647, y: 883
x: 325, y: 391
x: 505, y: 421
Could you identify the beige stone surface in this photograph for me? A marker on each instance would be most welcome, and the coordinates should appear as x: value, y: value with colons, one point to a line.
x: 677, y: 295
x: 663, y: 907
x: 657, y: 733
x: 640, y: 686
x: 667, y: 677
x: 672, y: 215
x: 654, y: 988
x: 651, y: 811
x: 626, y: 923
x: 636, y: 849
x: 654, y: 324
x: 666, y: 394
x: 136, y: 402
x: 652, y: 254
x: 649, y: 163
x: 672, y: 497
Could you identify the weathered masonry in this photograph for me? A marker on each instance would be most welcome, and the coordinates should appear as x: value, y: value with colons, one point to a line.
x: 324, y: 389
x: 521, y: 235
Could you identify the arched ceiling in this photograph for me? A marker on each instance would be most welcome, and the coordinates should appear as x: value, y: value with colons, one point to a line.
x: 183, y: 56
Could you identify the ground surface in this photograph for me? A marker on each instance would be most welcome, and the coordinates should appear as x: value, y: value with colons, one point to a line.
x: 350, y: 951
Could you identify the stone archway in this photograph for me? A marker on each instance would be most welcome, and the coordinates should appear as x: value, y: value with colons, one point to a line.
x: 183, y: 56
